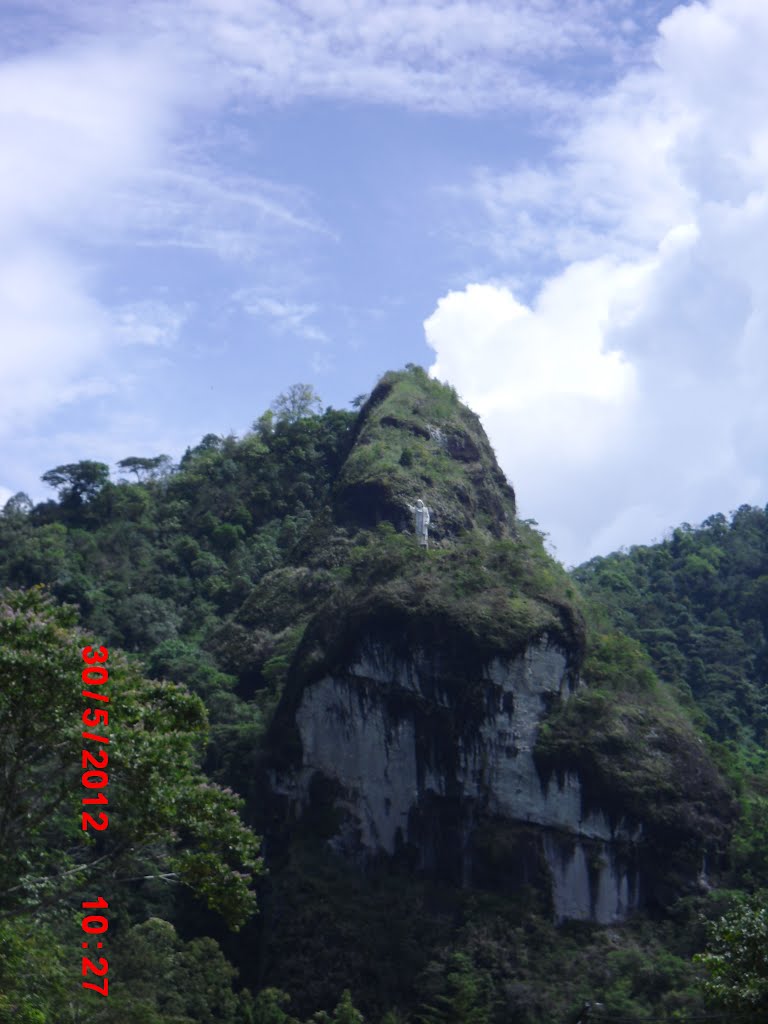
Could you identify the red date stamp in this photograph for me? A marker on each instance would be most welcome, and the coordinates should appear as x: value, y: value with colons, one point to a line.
x: 95, y: 778
x: 95, y: 924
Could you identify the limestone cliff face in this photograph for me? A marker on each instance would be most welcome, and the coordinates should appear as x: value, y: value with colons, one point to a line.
x: 416, y: 716
x: 417, y: 777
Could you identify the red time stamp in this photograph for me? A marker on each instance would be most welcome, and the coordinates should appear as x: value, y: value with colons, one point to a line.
x: 95, y: 780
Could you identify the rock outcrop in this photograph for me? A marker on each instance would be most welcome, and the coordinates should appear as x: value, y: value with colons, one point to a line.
x: 417, y: 777
x: 412, y: 713
x: 415, y: 438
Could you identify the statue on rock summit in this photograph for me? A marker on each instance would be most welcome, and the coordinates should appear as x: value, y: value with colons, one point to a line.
x: 422, y: 521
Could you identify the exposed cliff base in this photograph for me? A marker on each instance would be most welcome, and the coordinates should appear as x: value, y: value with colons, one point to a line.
x: 396, y: 937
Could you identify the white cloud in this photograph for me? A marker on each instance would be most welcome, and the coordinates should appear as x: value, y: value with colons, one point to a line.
x: 76, y: 123
x: 92, y: 157
x: 108, y: 118
x: 286, y: 317
x: 614, y: 188
x: 551, y: 393
x: 151, y: 323
x: 630, y: 396
x: 51, y: 332
x: 445, y: 55
x: 484, y: 334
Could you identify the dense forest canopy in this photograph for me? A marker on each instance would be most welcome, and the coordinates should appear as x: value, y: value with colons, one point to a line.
x: 698, y: 602
x: 219, y: 577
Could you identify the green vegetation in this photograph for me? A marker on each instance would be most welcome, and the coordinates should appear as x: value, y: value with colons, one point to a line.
x: 413, y: 437
x: 698, y: 603
x: 639, y: 756
x: 416, y: 950
x: 167, y: 822
x: 491, y: 595
x: 736, y: 959
x: 243, y: 573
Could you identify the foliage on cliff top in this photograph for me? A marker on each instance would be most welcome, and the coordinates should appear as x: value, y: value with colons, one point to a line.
x: 415, y: 438
x: 356, y: 565
x: 478, y: 597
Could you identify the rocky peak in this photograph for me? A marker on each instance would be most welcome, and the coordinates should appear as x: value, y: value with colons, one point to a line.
x: 422, y: 714
x: 414, y: 438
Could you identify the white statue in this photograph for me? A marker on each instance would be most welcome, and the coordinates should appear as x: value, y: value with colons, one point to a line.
x: 422, y: 521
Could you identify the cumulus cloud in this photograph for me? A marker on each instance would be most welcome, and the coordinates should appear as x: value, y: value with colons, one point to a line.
x: 629, y: 395
x: 556, y: 348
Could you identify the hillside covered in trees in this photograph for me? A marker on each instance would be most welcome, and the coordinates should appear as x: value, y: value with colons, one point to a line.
x: 227, y: 584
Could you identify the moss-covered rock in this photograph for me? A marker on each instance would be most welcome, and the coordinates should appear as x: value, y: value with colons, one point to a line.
x: 414, y: 438
x: 639, y: 756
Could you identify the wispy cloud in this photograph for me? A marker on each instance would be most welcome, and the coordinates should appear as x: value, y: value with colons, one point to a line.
x: 209, y: 209
x: 286, y: 317
x: 446, y: 55
x: 96, y: 156
x: 151, y: 323
x: 442, y: 55
x: 614, y: 181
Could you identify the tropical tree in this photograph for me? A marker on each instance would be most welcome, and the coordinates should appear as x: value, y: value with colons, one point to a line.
x: 77, y: 482
x: 736, y: 959
x: 146, y: 469
x: 466, y: 998
x: 19, y: 504
x: 297, y: 403
x: 164, y: 818
x: 165, y: 980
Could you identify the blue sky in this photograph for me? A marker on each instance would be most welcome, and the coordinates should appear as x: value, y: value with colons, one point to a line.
x: 561, y: 208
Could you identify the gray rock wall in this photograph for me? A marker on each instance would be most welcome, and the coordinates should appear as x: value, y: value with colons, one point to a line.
x: 389, y: 734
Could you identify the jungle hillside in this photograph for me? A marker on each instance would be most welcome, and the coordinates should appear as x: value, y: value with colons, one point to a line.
x: 221, y: 584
